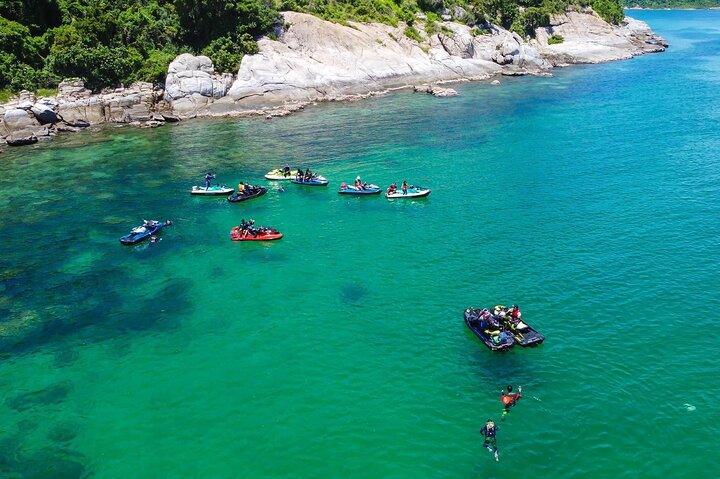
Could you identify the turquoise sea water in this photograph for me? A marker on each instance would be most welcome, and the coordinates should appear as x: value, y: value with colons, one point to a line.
x: 591, y: 198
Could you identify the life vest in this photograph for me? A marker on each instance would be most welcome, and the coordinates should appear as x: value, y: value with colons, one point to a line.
x: 507, y: 400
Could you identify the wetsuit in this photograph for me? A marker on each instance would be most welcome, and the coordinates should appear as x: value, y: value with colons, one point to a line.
x: 509, y: 400
x: 490, y: 442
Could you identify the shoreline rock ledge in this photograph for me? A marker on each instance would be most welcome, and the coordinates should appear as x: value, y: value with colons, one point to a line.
x: 313, y: 60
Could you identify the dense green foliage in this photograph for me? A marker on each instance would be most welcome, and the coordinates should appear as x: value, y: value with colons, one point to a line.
x: 112, y: 42
x: 609, y: 10
x: 555, y: 39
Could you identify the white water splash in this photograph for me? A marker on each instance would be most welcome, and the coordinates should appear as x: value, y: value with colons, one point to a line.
x: 689, y: 407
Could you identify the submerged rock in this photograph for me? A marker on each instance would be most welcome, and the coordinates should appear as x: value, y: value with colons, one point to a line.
x: 53, y: 394
x: 353, y: 292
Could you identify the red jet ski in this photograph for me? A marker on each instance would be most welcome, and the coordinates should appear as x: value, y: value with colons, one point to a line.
x: 254, y: 234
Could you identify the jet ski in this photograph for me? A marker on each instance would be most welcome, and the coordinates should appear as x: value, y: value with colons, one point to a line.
x: 488, y: 330
x: 314, y: 181
x: 524, y: 334
x: 367, y: 189
x: 262, y: 233
x: 144, y: 231
x: 249, y: 193
x: 278, y: 174
x: 412, y: 192
x: 211, y: 190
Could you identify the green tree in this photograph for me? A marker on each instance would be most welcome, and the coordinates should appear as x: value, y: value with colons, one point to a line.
x: 155, y: 66
x: 501, y: 12
x: 226, y: 53
x: 609, y: 10
x: 529, y: 20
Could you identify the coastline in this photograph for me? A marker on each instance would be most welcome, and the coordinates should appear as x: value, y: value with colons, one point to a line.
x: 313, y: 60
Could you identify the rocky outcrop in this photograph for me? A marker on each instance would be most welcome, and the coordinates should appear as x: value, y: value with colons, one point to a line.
x: 26, y: 119
x: 435, y: 90
x: 587, y: 38
x: 192, y: 84
x: 21, y: 125
x: 315, y: 60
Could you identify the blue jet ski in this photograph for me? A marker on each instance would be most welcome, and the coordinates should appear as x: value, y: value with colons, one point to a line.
x: 367, y: 189
x: 144, y: 231
x: 314, y: 181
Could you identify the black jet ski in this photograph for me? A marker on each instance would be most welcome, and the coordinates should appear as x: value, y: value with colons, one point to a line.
x: 144, y: 231
x: 489, y: 331
x: 523, y: 333
x: 249, y: 193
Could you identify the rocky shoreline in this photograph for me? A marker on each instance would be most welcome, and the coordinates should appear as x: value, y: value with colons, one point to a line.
x: 313, y: 60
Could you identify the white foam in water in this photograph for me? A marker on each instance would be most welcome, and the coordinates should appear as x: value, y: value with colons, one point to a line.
x: 689, y: 407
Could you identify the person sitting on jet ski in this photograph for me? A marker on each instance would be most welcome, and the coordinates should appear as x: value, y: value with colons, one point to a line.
x: 513, y: 316
x: 493, y: 322
x: 241, y: 189
x: 299, y: 176
x: 308, y: 175
x: 359, y: 184
x: 499, y: 336
x: 509, y: 398
x: 392, y: 189
x: 208, y: 178
x: 286, y: 171
x: 482, y: 318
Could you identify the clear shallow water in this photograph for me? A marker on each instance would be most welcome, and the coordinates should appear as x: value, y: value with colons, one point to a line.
x: 591, y: 198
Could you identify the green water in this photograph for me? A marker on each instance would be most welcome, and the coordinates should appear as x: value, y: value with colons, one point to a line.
x: 591, y: 198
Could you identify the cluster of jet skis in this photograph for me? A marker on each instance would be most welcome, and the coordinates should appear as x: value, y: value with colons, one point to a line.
x: 247, y: 231
x: 501, y: 328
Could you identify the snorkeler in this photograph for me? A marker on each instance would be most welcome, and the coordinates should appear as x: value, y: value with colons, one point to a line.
x: 489, y: 431
x: 509, y: 399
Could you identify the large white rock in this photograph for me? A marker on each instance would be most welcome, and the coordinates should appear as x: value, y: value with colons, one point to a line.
x: 318, y: 60
x: 22, y: 127
x: 314, y: 60
x: 189, y: 75
x: 589, y: 39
